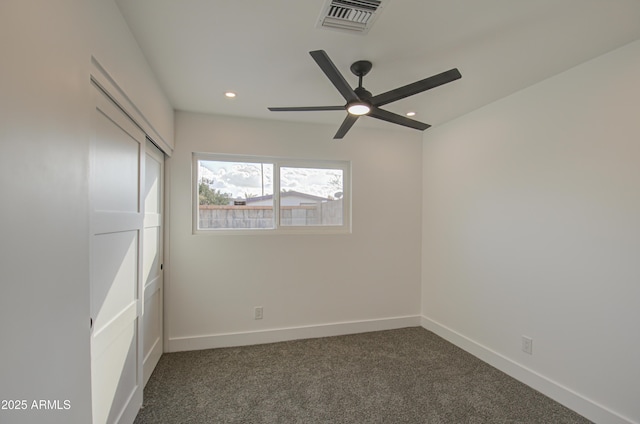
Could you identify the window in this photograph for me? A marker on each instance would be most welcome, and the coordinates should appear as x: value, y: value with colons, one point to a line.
x: 237, y: 193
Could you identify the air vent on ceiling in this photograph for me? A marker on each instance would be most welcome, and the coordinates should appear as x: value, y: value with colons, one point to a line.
x: 353, y: 16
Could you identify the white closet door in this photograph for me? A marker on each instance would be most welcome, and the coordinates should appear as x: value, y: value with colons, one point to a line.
x: 117, y: 176
x: 152, y: 260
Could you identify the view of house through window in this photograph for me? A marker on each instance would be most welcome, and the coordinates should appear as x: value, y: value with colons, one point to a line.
x: 235, y: 194
x: 238, y: 193
x: 311, y: 196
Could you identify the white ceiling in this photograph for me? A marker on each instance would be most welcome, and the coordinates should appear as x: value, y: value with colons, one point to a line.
x: 201, y: 48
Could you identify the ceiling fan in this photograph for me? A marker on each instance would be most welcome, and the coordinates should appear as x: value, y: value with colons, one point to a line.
x: 362, y: 102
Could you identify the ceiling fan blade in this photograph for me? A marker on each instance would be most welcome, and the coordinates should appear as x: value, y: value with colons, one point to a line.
x: 330, y: 70
x: 416, y: 87
x: 304, y: 108
x: 346, y: 125
x: 397, y: 119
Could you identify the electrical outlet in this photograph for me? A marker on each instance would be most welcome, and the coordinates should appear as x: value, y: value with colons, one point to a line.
x: 527, y: 345
x: 257, y: 312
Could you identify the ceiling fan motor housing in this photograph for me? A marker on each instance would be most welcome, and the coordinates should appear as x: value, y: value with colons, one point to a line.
x: 363, y: 94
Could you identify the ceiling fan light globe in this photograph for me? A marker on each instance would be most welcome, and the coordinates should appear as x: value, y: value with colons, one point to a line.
x: 358, y: 109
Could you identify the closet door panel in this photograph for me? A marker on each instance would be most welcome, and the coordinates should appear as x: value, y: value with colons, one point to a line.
x: 152, y: 260
x: 116, y: 181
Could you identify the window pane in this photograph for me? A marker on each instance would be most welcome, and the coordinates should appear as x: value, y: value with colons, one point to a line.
x: 235, y: 195
x: 311, y: 196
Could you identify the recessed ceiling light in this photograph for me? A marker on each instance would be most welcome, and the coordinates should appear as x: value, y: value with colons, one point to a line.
x: 411, y: 114
x: 230, y: 94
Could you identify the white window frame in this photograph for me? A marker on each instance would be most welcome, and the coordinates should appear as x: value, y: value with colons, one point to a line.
x: 277, y: 162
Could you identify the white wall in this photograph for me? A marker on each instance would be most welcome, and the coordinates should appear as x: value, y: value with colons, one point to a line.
x: 531, y: 227
x: 309, y: 281
x: 44, y: 261
x: 45, y: 128
x: 116, y: 49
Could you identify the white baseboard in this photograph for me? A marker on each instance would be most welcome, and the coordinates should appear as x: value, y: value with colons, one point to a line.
x: 563, y: 395
x: 179, y: 344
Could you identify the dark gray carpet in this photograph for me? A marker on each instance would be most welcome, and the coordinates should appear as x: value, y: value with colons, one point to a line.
x: 399, y: 376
